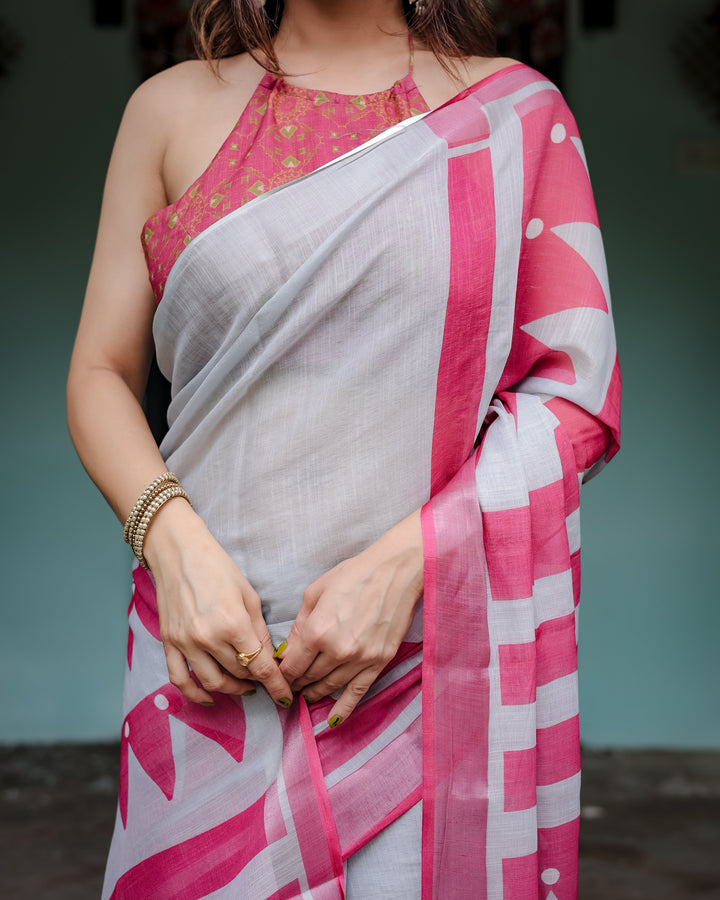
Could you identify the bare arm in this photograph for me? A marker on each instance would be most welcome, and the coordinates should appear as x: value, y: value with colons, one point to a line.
x: 113, y: 347
x: 206, y: 606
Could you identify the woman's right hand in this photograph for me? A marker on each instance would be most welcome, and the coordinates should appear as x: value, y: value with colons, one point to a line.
x: 208, y: 611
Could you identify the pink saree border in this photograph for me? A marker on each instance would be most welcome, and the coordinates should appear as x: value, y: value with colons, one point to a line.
x: 454, y: 572
x: 401, y: 808
x: 428, y: 699
x: 323, y: 802
x: 455, y: 750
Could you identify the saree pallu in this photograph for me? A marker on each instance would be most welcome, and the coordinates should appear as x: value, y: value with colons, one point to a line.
x: 424, y: 322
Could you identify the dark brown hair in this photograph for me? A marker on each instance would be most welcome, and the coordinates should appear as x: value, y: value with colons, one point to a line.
x: 452, y: 29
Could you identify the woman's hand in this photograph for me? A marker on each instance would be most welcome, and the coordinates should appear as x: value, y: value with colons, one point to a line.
x: 353, y: 619
x: 208, y: 611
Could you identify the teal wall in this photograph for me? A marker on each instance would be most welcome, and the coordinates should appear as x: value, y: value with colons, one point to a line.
x: 650, y: 612
x: 650, y: 615
x: 65, y: 581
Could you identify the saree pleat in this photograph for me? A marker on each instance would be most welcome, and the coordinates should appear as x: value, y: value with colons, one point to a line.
x: 423, y: 323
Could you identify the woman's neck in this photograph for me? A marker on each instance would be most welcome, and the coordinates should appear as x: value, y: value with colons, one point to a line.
x: 350, y: 42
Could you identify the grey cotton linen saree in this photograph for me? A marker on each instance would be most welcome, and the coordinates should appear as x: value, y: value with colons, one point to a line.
x: 423, y: 323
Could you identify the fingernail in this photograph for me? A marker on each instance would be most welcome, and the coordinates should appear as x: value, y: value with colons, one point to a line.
x: 206, y: 703
x: 285, y: 701
x: 280, y: 650
x: 335, y: 721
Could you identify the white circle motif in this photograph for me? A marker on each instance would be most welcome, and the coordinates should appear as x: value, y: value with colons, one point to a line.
x: 161, y: 701
x: 550, y: 876
x: 127, y: 729
x: 534, y: 228
x: 558, y: 133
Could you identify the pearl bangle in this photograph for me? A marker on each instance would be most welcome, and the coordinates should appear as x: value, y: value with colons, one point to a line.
x: 156, y: 495
x: 144, y: 501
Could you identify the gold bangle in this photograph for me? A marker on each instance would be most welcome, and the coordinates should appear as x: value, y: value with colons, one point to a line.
x: 174, y: 490
x: 138, y: 539
x: 165, y: 487
x: 144, y: 501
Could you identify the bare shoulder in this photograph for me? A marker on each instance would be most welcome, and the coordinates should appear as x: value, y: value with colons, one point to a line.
x: 438, y: 85
x: 183, y: 114
x: 186, y: 88
x: 476, y: 68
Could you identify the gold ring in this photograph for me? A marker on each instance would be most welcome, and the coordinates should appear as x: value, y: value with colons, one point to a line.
x: 246, y: 658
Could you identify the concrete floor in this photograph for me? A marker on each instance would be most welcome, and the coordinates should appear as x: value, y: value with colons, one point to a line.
x: 651, y: 823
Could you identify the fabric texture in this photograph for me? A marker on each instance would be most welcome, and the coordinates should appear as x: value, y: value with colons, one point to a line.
x: 423, y: 322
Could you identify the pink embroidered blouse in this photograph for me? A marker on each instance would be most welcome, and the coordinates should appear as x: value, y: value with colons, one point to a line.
x: 284, y: 132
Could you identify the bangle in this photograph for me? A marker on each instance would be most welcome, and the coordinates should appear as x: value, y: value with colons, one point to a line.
x: 164, y: 488
x: 144, y: 501
x: 174, y: 490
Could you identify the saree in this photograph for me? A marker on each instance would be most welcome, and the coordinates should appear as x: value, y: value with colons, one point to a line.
x: 422, y: 323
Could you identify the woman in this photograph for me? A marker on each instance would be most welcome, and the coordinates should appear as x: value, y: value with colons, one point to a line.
x: 390, y: 360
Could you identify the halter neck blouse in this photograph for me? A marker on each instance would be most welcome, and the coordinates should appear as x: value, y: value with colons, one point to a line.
x: 284, y: 132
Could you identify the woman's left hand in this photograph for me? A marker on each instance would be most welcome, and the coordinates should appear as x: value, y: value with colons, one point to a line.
x: 353, y: 619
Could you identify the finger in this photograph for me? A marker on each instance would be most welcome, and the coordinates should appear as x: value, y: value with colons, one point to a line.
x: 301, y: 651
x: 336, y: 679
x: 354, y: 691
x: 301, y: 618
x: 180, y: 676
x: 309, y: 602
x: 342, y: 654
x: 297, y: 660
x: 213, y: 677
x: 228, y: 657
x: 321, y: 668
x: 259, y: 625
x: 265, y: 670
